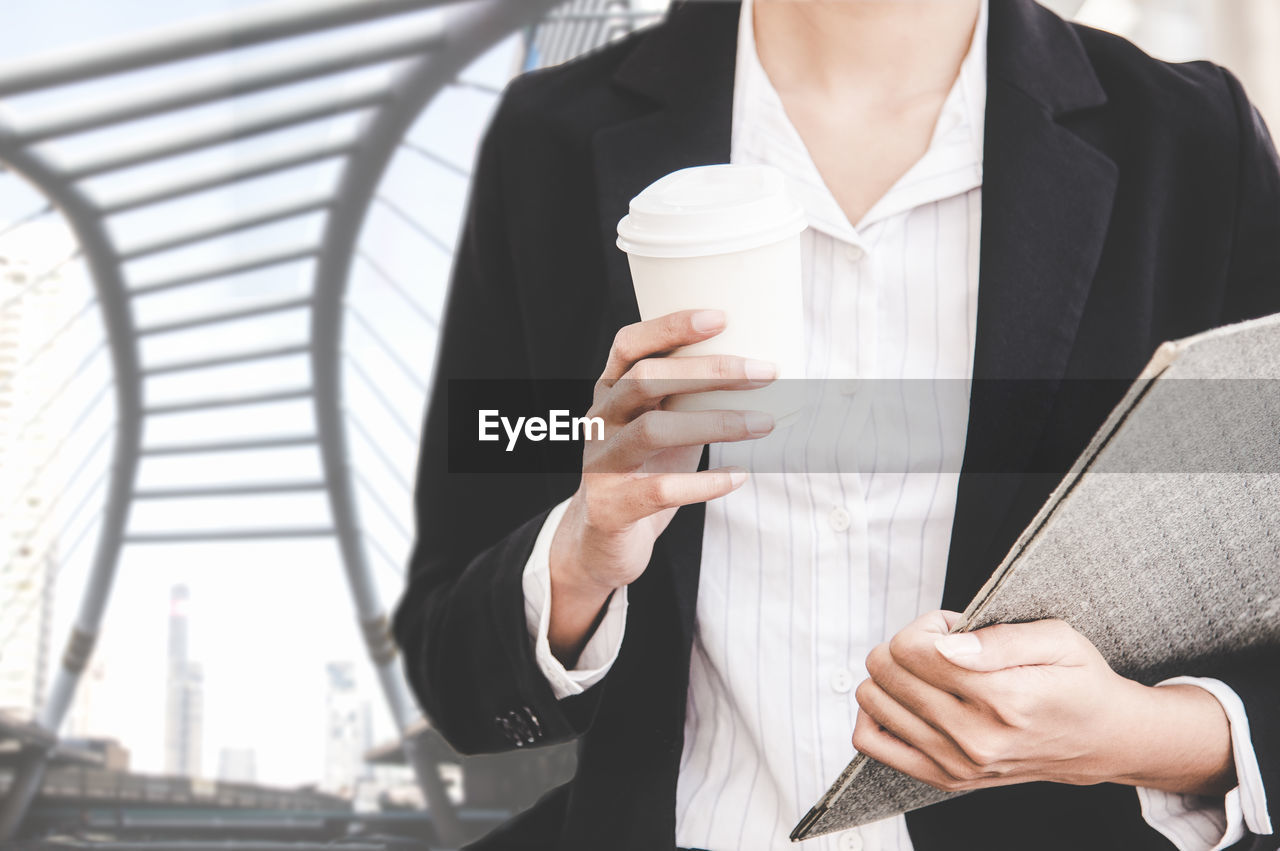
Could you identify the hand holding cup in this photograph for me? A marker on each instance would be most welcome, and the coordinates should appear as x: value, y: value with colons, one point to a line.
x: 646, y: 467
x: 714, y: 253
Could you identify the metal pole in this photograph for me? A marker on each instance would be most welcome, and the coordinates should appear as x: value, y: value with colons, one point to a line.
x: 269, y: 22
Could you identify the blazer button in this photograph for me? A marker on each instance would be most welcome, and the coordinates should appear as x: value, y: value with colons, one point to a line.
x: 520, y: 726
x: 511, y: 725
x: 532, y: 725
x: 851, y: 842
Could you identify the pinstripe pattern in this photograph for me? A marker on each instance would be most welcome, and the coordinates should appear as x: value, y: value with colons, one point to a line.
x: 804, y: 572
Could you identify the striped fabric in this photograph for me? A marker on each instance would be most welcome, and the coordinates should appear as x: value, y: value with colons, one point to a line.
x: 803, y: 573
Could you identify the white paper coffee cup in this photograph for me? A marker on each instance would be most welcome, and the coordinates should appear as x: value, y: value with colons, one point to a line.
x: 724, y: 237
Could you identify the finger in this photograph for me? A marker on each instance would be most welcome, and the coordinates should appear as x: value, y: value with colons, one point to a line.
x: 995, y: 648
x: 938, y: 707
x: 915, y: 650
x: 937, y: 622
x: 870, y: 739
x: 882, y: 708
x: 641, y: 340
x: 648, y: 382
x: 645, y: 496
x: 981, y: 759
x: 655, y: 431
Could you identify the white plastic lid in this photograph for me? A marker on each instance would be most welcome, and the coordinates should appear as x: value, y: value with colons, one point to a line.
x: 712, y: 209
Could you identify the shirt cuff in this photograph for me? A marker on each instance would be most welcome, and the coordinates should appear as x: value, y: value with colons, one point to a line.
x: 602, y: 648
x: 1198, y: 823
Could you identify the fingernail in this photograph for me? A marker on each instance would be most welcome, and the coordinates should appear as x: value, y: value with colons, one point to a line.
x: 759, y: 370
x: 960, y: 644
x: 737, y: 475
x: 707, y: 320
x: 758, y: 422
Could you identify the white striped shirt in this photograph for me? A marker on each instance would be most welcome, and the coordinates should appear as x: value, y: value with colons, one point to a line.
x: 803, y: 573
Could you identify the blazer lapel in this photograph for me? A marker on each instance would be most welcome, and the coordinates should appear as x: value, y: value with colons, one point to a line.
x: 1046, y: 205
x: 680, y: 82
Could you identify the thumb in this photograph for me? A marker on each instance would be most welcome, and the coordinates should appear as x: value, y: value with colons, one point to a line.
x: 1047, y: 642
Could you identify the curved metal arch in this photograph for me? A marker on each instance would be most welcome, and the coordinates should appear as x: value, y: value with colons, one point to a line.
x: 105, y: 272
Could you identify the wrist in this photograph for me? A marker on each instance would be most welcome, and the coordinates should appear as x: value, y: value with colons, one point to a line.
x: 569, y: 561
x: 1127, y: 752
x: 568, y: 590
x: 577, y: 601
x: 1178, y: 739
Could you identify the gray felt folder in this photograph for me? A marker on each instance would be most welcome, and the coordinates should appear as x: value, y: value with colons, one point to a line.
x: 1161, y: 545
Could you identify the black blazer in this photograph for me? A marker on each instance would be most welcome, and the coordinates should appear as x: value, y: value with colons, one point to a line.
x: 1126, y: 202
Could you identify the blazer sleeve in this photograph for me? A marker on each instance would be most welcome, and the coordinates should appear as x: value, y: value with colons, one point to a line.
x: 460, y: 622
x: 1253, y: 289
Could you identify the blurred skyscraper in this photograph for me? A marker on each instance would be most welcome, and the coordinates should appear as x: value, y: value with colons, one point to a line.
x: 347, y: 731
x: 185, y: 695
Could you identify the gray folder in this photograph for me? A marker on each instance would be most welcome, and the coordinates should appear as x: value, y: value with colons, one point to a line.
x: 1161, y: 545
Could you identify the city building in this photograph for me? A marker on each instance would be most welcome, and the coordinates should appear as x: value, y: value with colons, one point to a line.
x: 237, y: 765
x: 184, y: 713
x: 347, y: 730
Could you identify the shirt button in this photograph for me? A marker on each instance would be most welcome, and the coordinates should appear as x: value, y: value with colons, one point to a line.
x: 851, y: 842
x: 841, y: 683
x: 852, y: 253
x: 839, y: 518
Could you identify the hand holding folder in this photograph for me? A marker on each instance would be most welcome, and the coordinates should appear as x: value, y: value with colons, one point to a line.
x: 1161, y: 545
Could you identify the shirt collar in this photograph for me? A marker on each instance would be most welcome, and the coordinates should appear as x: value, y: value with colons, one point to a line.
x: 762, y: 133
